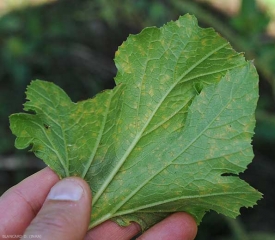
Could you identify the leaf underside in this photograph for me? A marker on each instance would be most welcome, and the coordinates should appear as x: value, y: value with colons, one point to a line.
x: 180, y: 118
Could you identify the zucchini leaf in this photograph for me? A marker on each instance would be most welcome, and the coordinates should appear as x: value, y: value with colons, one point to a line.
x: 173, y: 135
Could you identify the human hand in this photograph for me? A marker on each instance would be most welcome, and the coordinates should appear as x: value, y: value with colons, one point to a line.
x: 44, y: 207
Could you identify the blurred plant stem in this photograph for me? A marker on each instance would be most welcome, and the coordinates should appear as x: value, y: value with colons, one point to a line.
x: 237, y: 229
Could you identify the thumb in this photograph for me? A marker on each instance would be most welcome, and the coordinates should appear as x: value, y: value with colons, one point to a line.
x: 65, y: 213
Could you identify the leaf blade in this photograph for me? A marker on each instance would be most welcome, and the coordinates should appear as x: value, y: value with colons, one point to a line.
x: 148, y: 147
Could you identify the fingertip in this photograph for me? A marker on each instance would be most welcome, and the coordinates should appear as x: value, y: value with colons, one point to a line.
x: 66, y: 212
x: 186, y: 223
x: 70, y: 189
x: 25, y: 200
x: 177, y: 226
x: 111, y: 230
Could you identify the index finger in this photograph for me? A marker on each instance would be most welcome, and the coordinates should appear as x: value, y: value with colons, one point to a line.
x: 20, y: 204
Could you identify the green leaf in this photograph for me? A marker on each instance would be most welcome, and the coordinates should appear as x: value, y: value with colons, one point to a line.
x: 171, y: 136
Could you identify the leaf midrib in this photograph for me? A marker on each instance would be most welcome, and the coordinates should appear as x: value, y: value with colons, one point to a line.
x: 139, y: 135
x: 161, y: 169
x: 64, y: 163
x: 100, y: 134
x: 53, y: 149
x: 133, y: 210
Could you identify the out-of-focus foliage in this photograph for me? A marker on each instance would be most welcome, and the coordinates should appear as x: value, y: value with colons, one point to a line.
x: 72, y: 43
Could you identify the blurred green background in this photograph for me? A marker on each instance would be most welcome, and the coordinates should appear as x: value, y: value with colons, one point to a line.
x: 72, y: 43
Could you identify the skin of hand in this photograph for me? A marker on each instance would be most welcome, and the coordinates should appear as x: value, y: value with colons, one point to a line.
x: 45, y: 207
